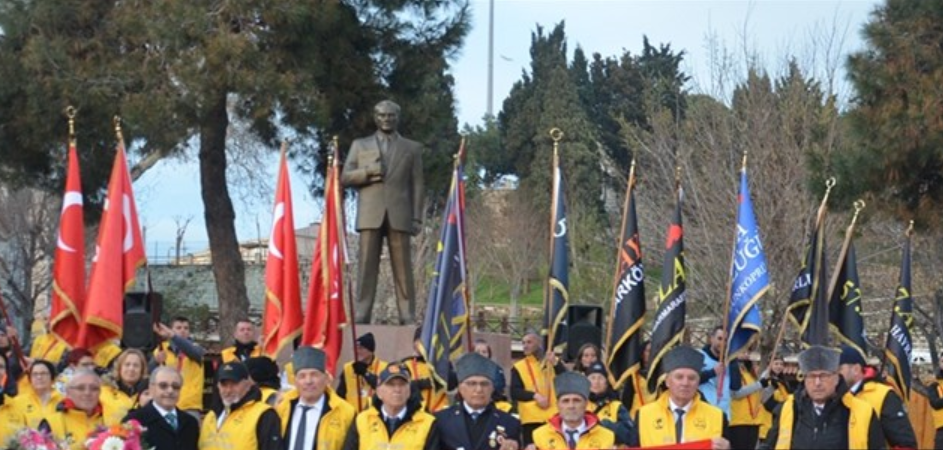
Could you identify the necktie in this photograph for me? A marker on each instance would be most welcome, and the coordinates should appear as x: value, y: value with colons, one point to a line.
x: 572, y: 436
x: 172, y: 420
x: 819, y: 409
x: 679, y: 424
x: 300, y: 435
x: 391, y: 424
x: 474, y: 416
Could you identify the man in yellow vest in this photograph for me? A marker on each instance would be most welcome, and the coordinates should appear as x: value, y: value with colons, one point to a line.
x: 396, y: 420
x: 313, y: 417
x: 573, y: 426
x: 241, y: 420
x: 532, y: 386
x: 245, y: 346
x: 359, y: 378
x: 886, y: 403
x: 681, y: 416
x: 179, y: 352
x: 81, y: 412
x: 935, y: 394
x: 433, y: 394
x: 822, y: 414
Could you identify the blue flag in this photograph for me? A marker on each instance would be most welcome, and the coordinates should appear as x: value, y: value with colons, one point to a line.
x: 749, y: 275
x: 446, y: 318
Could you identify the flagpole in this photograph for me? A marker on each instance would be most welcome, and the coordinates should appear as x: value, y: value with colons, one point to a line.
x: 331, y: 161
x: 556, y: 135
x: 460, y: 159
x: 725, y: 319
x: 829, y: 184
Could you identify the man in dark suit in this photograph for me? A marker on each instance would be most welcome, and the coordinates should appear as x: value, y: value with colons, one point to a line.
x: 167, y: 427
x: 473, y: 423
x: 386, y: 170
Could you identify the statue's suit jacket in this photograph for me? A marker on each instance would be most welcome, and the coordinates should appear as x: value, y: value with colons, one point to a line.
x: 399, y: 195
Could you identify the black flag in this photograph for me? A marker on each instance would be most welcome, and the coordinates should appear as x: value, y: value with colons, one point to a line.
x: 899, y: 347
x: 627, y: 312
x: 668, y: 326
x: 808, y: 303
x: 557, y: 297
x: 845, y: 305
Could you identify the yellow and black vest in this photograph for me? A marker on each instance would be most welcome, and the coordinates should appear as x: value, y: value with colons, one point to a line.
x: 609, y: 411
x: 656, y: 422
x: 938, y: 413
x: 411, y: 435
x: 432, y: 399
x: 858, y: 422
x: 237, y: 431
x: 333, y: 425
x: 746, y: 410
x: 537, y: 380
x: 229, y: 353
x: 352, y: 381
x: 116, y: 404
x: 766, y: 417
x: 550, y: 436
x: 191, y: 395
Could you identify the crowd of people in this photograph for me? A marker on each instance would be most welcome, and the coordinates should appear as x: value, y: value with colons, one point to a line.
x: 838, y: 402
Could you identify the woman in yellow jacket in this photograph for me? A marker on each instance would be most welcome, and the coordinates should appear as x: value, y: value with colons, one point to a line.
x: 11, y: 419
x: 120, y: 394
x: 605, y: 404
x: 38, y: 401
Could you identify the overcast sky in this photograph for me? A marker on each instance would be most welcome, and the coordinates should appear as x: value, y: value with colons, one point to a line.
x: 817, y: 33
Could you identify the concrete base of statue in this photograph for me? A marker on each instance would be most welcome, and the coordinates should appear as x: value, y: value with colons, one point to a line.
x: 396, y: 342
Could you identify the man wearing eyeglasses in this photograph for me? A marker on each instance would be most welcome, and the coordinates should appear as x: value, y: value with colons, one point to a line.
x: 166, y: 427
x: 473, y: 422
x: 81, y: 412
x: 823, y: 413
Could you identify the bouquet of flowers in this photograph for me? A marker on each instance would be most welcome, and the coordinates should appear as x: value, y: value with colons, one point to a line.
x: 126, y: 436
x: 30, y: 439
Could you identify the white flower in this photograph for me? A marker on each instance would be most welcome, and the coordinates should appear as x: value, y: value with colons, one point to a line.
x: 113, y: 443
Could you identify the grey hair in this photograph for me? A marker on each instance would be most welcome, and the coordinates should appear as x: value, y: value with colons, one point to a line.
x: 164, y: 369
x: 389, y: 103
x: 82, y: 373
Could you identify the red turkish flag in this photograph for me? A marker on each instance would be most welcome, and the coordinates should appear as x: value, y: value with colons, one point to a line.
x: 68, y: 271
x: 281, y: 321
x: 119, y: 252
x: 325, y: 316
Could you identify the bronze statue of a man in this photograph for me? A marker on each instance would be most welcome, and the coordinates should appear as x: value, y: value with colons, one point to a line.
x: 386, y: 170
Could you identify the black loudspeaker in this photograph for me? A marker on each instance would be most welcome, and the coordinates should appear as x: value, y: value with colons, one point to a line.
x: 141, y: 312
x: 585, y: 327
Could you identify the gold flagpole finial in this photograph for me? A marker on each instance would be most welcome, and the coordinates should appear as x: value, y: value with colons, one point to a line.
x: 910, y: 229
x: 743, y: 164
x: 335, y: 150
x: 829, y: 184
x: 556, y: 134
x: 70, y: 113
x: 859, y: 205
x: 117, y: 122
x: 677, y: 177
